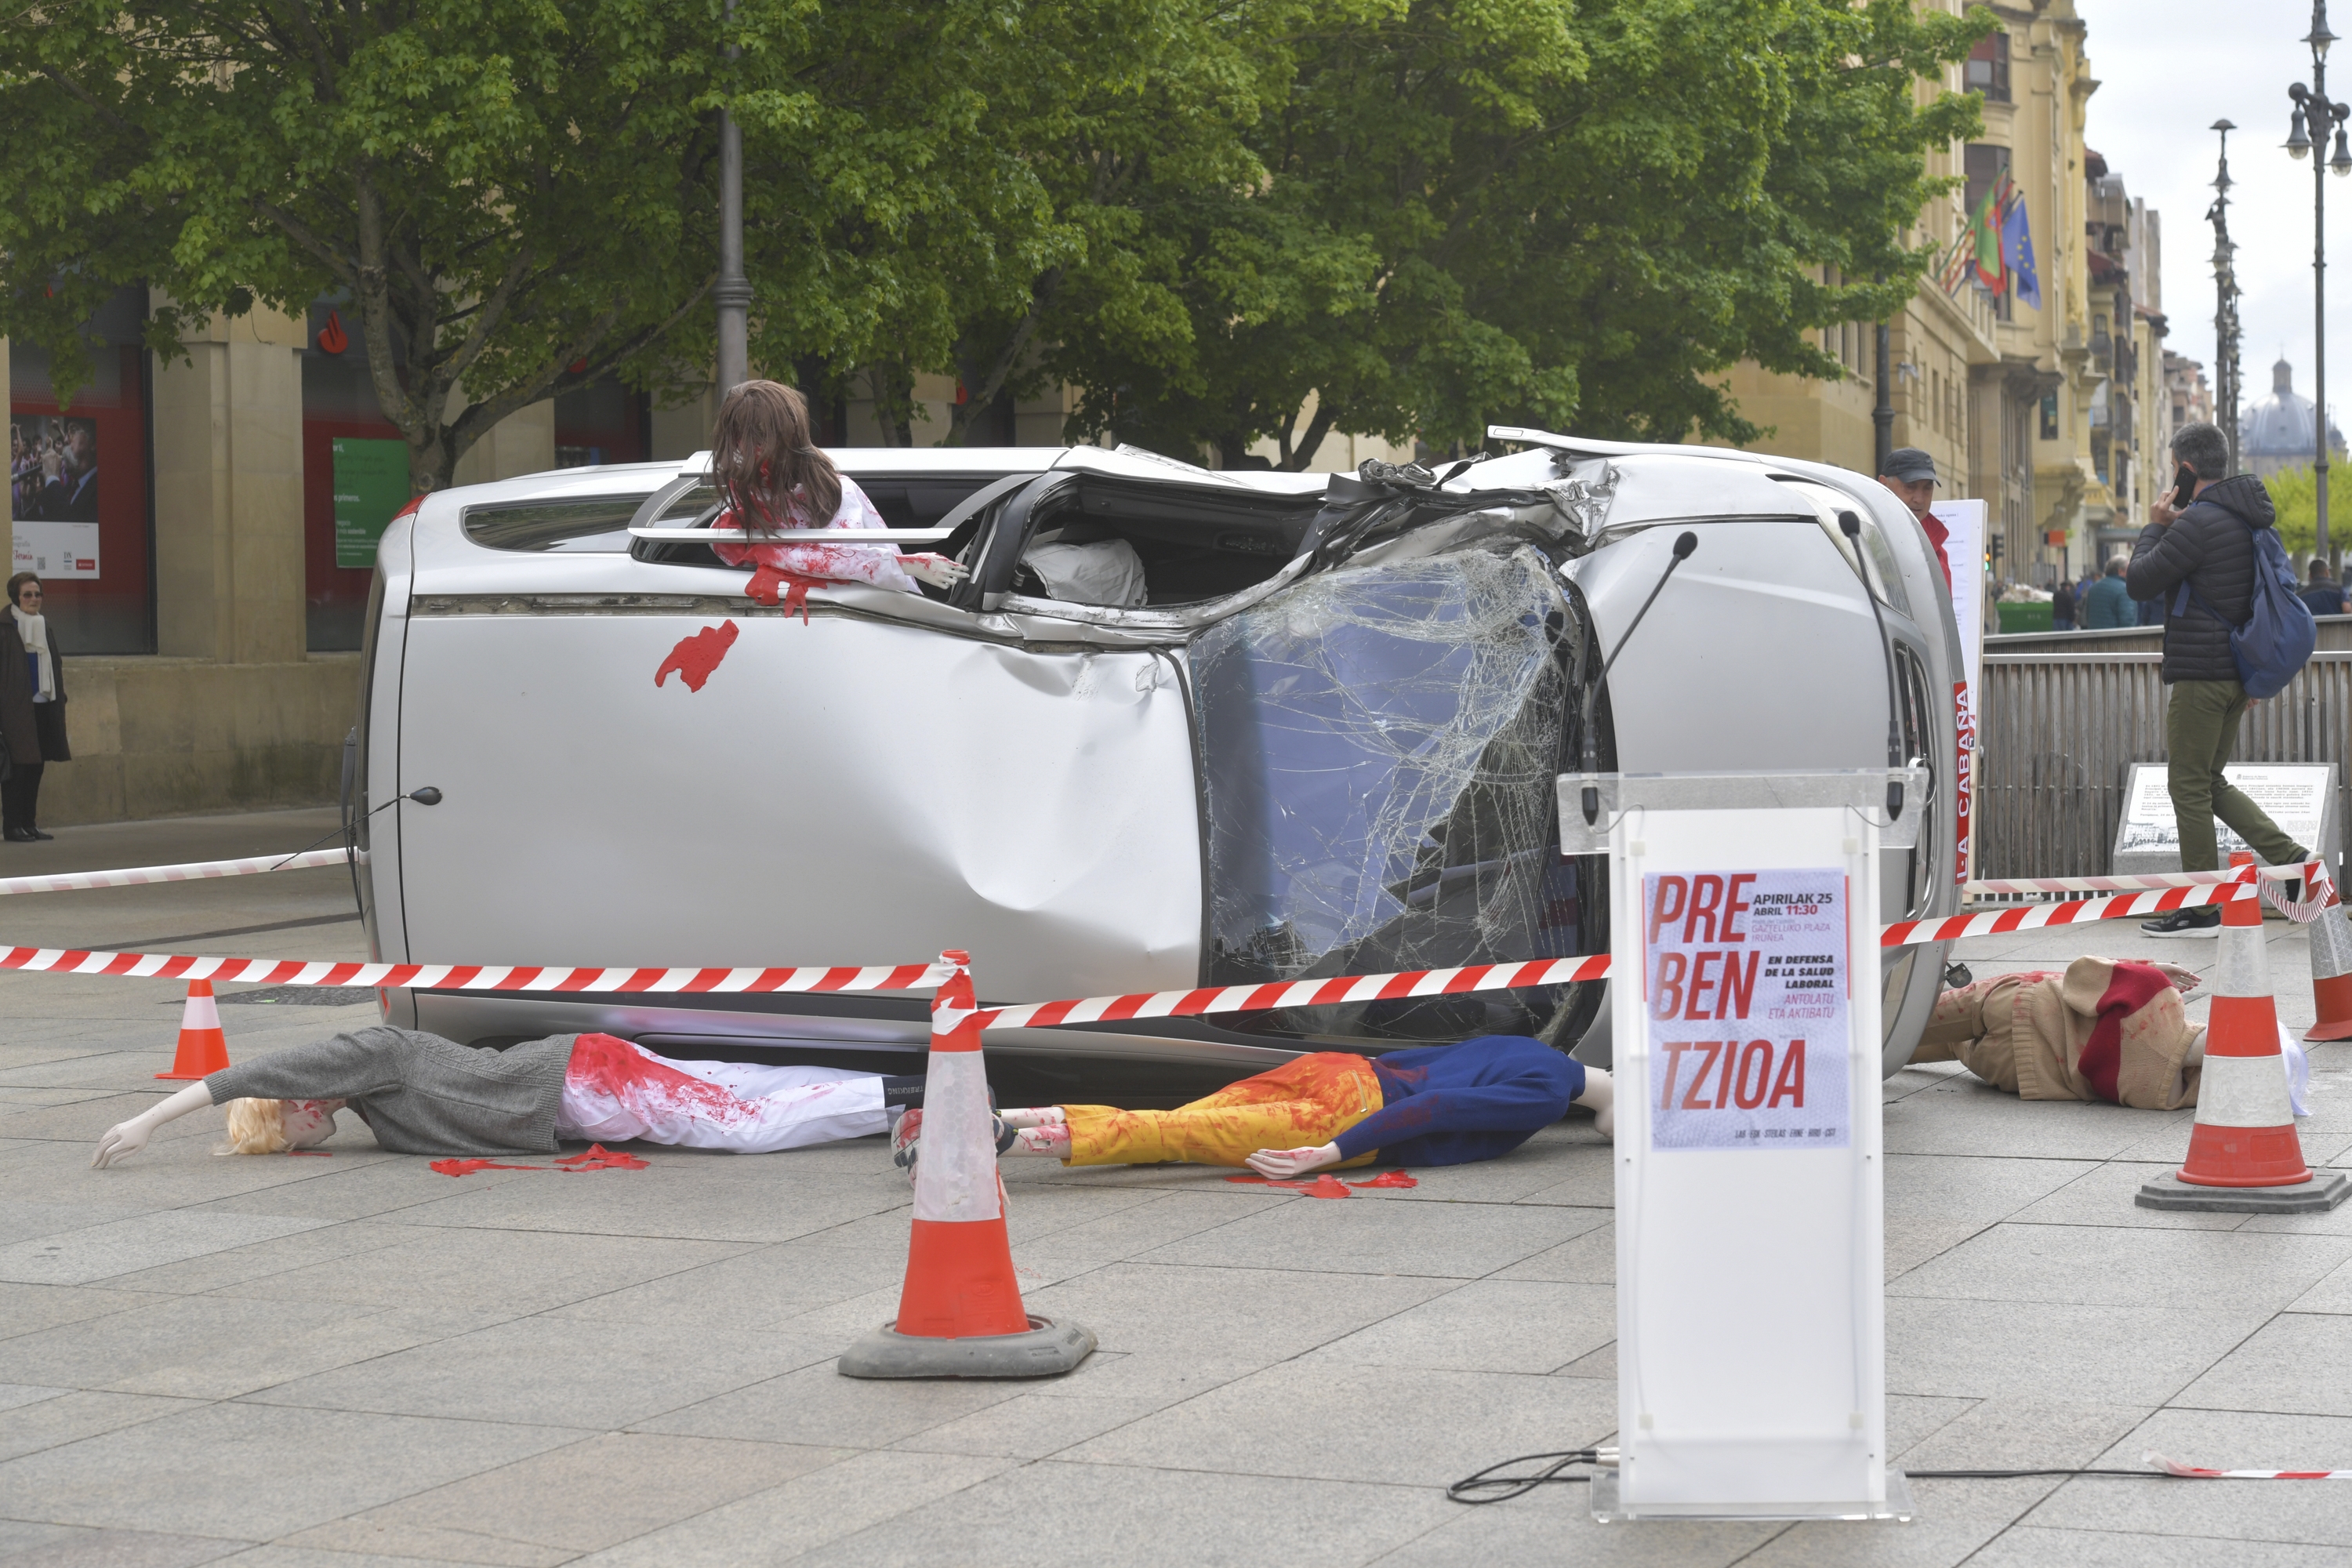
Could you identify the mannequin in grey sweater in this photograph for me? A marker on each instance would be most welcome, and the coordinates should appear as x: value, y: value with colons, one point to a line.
x: 422, y: 1094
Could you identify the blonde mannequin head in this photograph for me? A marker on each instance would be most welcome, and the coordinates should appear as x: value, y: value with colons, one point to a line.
x: 256, y: 1126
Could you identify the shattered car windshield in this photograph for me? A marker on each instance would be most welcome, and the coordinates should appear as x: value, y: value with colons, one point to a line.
x: 1380, y: 746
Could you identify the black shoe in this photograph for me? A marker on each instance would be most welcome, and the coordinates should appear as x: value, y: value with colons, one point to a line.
x: 20, y: 836
x: 2202, y: 920
x: 44, y: 838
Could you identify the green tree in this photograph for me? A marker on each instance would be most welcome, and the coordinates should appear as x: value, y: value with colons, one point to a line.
x: 516, y: 197
x: 1564, y: 213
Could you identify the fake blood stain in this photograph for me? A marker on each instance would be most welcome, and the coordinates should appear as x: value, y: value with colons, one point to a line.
x: 596, y: 1157
x: 696, y: 656
x: 1330, y: 1186
x: 617, y: 1069
x: 467, y: 1167
x: 768, y: 578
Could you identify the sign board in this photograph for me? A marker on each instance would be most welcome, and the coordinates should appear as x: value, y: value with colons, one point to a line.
x: 1963, y: 547
x: 1746, y: 1025
x: 2299, y: 796
x: 1759, y: 960
x: 371, y: 485
x: 58, y: 550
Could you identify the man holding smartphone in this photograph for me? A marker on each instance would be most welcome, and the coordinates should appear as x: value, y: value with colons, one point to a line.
x: 2202, y: 536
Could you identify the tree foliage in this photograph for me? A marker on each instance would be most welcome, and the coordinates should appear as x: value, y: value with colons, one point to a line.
x: 1220, y: 222
x: 1562, y: 213
x: 516, y: 196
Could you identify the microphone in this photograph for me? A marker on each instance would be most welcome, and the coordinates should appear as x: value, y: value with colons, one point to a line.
x: 1850, y: 524
x: 1683, y: 545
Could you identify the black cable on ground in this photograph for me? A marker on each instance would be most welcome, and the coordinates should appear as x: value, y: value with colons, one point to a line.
x: 1519, y: 1485
x: 1504, y: 1488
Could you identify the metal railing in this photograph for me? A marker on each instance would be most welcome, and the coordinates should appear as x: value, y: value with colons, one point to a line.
x: 2060, y: 732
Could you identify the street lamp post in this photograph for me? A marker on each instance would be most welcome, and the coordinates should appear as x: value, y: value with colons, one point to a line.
x: 2315, y: 115
x: 733, y: 290
x: 2225, y: 301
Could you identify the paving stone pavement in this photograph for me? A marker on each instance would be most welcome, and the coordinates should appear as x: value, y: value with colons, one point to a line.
x: 354, y: 1363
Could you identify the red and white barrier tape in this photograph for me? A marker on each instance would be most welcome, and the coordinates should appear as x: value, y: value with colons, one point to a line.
x: 2311, y: 874
x: 2032, y: 916
x: 467, y: 977
x: 1296, y: 994
x: 2198, y: 1473
x: 1322, y: 993
x: 193, y: 871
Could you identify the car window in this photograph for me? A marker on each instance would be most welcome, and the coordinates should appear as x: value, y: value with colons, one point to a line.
x: 580, y: 523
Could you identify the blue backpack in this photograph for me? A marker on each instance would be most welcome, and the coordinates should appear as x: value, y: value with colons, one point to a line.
x: 2279, y: 633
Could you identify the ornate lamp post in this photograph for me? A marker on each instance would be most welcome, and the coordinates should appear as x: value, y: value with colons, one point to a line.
x: 2225, y: 301
x: 2315, y: 115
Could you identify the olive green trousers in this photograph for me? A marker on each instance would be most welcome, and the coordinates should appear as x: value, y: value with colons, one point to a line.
x: 2200, y: 731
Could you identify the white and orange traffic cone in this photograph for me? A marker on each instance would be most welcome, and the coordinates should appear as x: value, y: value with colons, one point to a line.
x: 2331, y: 972
x: 2243, y: 1155
x: 961, y: 1313
x: 203, y: 1049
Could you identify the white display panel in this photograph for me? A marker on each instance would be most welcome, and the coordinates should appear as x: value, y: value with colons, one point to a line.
x: 1750, y: 1306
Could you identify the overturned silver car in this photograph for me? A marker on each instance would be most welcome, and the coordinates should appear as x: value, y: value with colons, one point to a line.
x: 1178, y: 727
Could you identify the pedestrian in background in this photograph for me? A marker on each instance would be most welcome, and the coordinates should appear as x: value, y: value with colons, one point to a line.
x: 1911, y: 475
x: 32, y: 708
x: 2061, y: 606
x: 2205, y: 553
x: 2108, y: 606
x: 2324, y: 594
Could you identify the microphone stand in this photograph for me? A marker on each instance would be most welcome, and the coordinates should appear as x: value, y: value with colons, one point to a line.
x: 1850, y: 524
x: 1592, y: 801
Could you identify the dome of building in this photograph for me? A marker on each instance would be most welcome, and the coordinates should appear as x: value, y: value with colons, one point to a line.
x: 2276, y: 432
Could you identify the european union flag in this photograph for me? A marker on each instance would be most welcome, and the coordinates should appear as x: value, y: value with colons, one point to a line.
x: 2017, y: 250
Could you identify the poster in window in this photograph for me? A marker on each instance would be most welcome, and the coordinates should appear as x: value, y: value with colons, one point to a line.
x: 53, y: 469
x: 371, y: 485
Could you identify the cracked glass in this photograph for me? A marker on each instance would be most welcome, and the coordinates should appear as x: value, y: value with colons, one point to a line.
x: 1380, y: 746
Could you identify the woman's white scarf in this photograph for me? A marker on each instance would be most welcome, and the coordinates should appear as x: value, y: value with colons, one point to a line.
x: 34, y: 631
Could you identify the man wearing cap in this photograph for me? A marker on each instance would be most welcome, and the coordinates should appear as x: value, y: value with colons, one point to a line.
x: 1910, y: 473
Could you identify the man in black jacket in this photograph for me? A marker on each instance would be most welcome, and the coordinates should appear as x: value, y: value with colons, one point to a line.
x: 2207, y: 549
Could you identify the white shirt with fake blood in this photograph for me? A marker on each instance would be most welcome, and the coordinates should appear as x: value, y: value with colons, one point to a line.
x: 614, y: 1091
x: 875, y: 563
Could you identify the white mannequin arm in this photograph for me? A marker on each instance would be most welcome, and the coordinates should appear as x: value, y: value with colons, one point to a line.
x: 125, y: 1139
x: 1284, y: 1163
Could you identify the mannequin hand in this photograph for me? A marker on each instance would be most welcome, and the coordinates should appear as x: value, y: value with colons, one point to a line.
x: 936, y: 570
x: 121, y: 1142
x: 1282, y: 1164
x: 2183, y: 980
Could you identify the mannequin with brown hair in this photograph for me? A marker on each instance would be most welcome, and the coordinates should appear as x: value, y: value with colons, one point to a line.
x: 772, y: 478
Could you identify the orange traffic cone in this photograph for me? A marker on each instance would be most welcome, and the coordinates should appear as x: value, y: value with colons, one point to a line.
x: 2331, y: 972
x: 203, y: 1049
x: 961, y: 1313
x: 2243, y: 1154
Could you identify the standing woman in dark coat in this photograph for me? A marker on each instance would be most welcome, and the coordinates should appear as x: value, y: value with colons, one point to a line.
x: 32, y: 708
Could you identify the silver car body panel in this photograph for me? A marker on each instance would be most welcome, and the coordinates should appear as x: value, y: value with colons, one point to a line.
x: 893, y: 775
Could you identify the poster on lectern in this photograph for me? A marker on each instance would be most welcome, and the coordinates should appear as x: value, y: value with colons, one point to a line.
x: 1748, y: 993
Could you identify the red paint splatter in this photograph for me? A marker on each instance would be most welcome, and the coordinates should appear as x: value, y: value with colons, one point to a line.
x: 620, y: 1072
x: 768, y: 578
x: 596, y: 1157
x: 696, y: 656
x: 1329, y: 1186
x: 467, y: 1167
x: 1324, y: 1186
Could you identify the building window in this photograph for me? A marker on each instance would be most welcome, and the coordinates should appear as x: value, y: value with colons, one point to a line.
x: 1988, y: 70
x: 346, y: 435
x: 2050, y: 416
x: 78, y: 486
